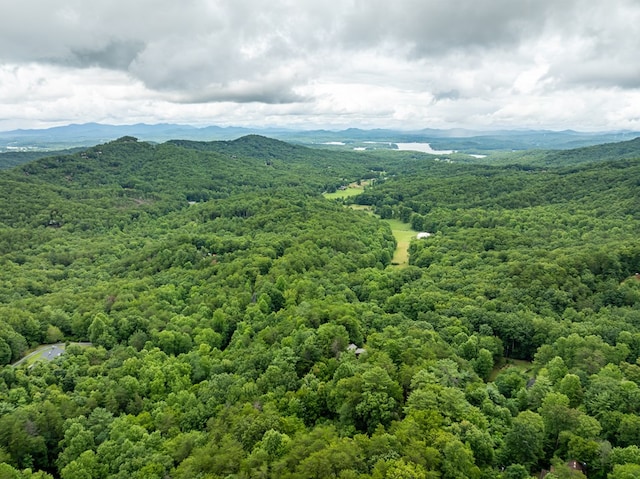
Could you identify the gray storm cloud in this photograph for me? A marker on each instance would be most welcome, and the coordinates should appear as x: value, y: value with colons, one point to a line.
x: 280, y: 52
x: 192, y: 45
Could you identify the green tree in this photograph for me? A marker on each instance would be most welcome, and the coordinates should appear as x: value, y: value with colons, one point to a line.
x: 625, y: 471
x: 76, y: 441
x: 562, y: 471
x: 458, y: 461
x: 332, y: 339
x: 5, y: 353
x: 557, y: 416
x: 570, y: 385
x: 523, y: 443
x: 399, y: 469
x: 86, y: 466
x: 483, y: 364
x: 8, y: 472
x: 380, y: 398
x: 101, y: 331
x: 516, y: 471
x: 509, y: 382
x: 629, y: 430
x: 556, y: 369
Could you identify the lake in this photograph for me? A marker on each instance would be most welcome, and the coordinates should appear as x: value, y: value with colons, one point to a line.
x: 422, y: 147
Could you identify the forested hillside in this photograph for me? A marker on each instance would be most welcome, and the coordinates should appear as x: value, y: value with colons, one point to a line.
x: 557, y: 158
x: 244, y: 326
x: 9, y: 159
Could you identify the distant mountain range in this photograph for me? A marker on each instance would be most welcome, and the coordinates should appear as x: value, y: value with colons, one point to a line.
x: 469, y: 141
x: 89, y: 134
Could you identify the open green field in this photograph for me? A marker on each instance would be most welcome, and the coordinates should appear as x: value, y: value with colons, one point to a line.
x: 352, y: 189
x: 340, y: 194
x: 403, y: 234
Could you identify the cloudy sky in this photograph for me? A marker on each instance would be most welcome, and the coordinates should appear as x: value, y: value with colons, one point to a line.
x: 406, y: 64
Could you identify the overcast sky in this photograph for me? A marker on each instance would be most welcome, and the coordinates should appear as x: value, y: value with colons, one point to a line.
x: 407, y: 64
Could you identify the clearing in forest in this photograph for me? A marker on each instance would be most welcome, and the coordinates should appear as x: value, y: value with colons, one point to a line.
x: 520, y: 364
x: 46, y: 352
x: 403, y: 235
x: 353, y: 189
x: 402, y: 232
x: 341, y: 194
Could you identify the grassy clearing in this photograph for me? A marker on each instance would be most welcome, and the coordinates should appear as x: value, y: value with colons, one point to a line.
x: 353, y: 189
x: 403, y: 234
x: 366, y: 208
x: 341, y: 194
x: 524, y: 366
x: 401, y: 231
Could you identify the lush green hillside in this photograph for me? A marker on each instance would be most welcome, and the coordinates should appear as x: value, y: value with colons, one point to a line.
x: 608, y: 151
x: 244, y: 326
x: 556, y: 158
x: 9, y: 159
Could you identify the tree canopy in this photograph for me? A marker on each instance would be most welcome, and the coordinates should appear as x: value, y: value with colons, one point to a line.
x: 242, y: 325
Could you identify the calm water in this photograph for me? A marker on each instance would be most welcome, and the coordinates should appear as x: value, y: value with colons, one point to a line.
x: 423, y: 147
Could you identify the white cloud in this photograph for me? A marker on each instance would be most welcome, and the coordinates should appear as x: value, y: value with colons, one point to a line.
x: 407, y: 63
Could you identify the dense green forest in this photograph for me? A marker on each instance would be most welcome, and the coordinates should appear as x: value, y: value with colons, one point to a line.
x: 243, y: 326
x: 10, y: 159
